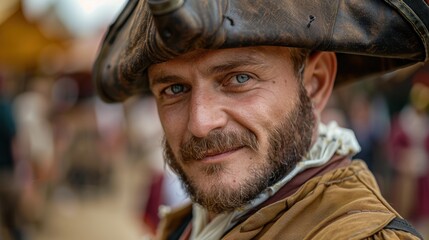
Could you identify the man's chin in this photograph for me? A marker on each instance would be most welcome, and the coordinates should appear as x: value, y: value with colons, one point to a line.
x: 218, y: 198
x: 213, y: 170
x: 220, y: 192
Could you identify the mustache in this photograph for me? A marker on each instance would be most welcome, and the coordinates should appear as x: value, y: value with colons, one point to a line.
x: 217, y: 142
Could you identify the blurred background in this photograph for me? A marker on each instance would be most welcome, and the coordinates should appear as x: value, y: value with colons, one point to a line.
x: 73, y: 167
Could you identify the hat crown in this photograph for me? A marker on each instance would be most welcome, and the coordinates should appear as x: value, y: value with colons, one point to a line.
x: 368, y: 36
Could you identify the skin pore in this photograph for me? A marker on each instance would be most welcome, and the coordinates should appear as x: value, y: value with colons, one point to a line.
x: 235, y: 120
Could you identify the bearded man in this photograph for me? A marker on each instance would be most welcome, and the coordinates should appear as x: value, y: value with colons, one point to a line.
x: 240, y: 88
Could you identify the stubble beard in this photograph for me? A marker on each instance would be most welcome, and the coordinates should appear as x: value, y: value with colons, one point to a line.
x: 288, y: 143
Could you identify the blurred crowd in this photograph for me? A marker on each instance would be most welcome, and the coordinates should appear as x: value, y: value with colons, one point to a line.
x: 74, y: 167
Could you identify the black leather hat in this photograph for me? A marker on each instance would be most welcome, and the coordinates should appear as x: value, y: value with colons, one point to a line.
x: 370, y: 37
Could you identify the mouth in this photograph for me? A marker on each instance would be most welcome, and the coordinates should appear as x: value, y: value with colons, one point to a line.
x: 217, y: 156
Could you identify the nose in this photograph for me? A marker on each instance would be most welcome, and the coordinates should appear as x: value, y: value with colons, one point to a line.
x: 206, y: 113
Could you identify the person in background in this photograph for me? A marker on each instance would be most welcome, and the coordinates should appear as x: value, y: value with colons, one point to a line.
x: 409, y: 153
x: 240, y: 88
x: 9, y: 194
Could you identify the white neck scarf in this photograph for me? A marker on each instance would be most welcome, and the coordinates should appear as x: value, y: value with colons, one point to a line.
x: 332, y: 140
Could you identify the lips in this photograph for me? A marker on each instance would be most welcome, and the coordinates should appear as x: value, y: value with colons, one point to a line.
x: 216, y: 153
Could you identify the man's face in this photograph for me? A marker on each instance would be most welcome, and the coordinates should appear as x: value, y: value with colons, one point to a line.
x: 235, y: 120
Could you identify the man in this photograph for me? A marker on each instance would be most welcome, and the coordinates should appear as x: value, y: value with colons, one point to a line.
x: 240, y: 87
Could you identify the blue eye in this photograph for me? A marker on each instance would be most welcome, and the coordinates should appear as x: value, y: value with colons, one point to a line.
x: 175, y: 89
x: 241, y: 78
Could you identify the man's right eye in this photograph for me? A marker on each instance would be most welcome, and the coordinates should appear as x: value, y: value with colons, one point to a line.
x: 175, y: 89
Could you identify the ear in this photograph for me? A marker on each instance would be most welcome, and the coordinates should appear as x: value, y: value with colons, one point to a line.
x: 319, y: 77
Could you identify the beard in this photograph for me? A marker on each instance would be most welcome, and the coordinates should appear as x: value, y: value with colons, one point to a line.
x: 289, y: 141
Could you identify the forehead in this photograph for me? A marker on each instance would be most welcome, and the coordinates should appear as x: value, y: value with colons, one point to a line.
x: 204, y: 58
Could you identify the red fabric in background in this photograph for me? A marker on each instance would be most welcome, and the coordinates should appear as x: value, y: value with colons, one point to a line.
x: 150, y: 214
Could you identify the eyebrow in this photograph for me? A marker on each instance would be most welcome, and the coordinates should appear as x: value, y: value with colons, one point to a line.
x: 235, y: 63
x: 164, y: 79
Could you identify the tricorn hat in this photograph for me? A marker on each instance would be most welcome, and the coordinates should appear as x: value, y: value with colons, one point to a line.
x: 369, y: 37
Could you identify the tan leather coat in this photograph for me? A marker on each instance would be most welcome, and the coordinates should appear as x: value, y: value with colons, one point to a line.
x: 344, y: 203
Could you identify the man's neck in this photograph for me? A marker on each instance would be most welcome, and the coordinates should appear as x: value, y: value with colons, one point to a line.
x: 299, y: 180
x: 211, y: 216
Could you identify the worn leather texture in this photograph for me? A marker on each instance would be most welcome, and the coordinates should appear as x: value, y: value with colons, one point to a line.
x: 370, y: 37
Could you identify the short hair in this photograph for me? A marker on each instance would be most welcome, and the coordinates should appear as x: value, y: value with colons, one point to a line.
x: 298, y: 57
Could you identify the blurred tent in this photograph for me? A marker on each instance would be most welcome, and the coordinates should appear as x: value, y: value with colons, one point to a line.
x: 53, y: 36
x: 7, y: 7
x: 22, y: 43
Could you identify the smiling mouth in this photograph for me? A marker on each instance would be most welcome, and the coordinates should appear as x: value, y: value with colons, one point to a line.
x: 218, y: 155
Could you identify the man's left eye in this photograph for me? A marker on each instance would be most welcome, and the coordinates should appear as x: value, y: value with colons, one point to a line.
x: 242, y: 78
x: 175, y: 89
